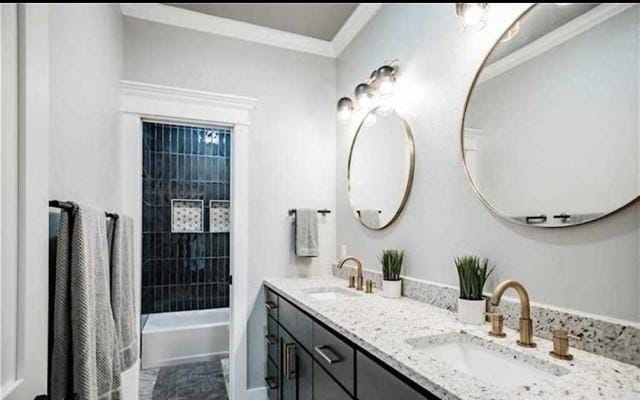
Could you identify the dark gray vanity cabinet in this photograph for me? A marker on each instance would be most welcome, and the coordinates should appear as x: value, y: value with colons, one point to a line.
x: 296, y: 378
x: 306, y: 360
x: 380, y: 384
x: 325, y: 387
x: 335, y: 355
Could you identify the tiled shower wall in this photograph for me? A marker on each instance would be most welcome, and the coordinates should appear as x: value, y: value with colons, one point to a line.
x: 183, y: 271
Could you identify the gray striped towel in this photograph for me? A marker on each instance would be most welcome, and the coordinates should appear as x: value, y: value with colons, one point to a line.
x: 86, y: 350
x: 122, y: 291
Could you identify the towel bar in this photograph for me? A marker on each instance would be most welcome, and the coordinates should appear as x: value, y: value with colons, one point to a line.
x: 323, y: 212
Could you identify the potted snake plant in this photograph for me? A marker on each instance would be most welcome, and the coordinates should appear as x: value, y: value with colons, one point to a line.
x: 391, y: 261
x: 472, y: 273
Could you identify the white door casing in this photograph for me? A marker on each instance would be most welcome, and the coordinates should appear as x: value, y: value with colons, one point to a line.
x: 25, y: 317
x: 143, y: 100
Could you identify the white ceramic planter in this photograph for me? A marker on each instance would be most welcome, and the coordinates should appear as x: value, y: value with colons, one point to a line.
x: 392, y: 289
x: 472, y: 311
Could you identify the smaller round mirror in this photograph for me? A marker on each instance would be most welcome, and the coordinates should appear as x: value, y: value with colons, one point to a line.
x: 380, y: 170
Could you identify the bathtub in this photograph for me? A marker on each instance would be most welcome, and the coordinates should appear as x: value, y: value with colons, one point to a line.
x: 187, y: 336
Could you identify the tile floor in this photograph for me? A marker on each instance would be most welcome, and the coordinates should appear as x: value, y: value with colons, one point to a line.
x: 196, y: 381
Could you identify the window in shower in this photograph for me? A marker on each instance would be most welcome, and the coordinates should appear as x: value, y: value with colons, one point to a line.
x: 186, y: 175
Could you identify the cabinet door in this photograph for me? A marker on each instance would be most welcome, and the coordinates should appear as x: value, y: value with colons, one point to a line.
x: 296, y: 370
x: 376, y: 383
x: 325, y: 387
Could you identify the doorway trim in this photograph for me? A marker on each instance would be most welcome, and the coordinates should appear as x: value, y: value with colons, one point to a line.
x: 148, y: 101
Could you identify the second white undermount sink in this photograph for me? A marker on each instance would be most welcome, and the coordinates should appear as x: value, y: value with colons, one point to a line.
x: 487, y: 361
x: 330, y: 293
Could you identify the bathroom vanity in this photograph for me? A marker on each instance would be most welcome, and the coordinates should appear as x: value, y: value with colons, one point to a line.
x: 325, y: 341
x: 307, y: 359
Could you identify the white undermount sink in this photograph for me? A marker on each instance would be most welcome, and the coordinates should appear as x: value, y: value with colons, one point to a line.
x: 330, y: 293
x: 487, y: 361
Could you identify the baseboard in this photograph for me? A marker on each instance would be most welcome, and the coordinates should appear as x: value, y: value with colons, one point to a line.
x: 257, y: 393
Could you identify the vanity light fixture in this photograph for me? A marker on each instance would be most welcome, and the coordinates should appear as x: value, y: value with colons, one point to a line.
x: 377, y: 91
x: 511, y: 33
x: 472, y: 16
x: 345, y: 108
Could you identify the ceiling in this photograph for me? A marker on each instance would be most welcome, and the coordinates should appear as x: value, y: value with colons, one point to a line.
x: 317, y: 20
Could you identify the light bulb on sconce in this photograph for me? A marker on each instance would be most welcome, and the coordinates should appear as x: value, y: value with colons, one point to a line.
x: 345, y: 108
x: 385, y: 78
x: 364, y: 96
x: 472, y: 16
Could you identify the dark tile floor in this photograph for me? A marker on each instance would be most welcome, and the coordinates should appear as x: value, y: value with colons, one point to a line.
x: 195, y: 381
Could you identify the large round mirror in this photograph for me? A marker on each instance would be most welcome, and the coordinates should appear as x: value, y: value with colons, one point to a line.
x: 380, y: 171
x: 551, y: 134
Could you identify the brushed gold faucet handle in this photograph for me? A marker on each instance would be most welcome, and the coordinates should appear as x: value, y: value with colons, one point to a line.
x: 560, y: 339
x: 497, y: 324
x: 368, y: 284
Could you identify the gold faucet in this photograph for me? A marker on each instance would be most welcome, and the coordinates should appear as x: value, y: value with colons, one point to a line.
x: 526, y: 324
x: 359, y: 278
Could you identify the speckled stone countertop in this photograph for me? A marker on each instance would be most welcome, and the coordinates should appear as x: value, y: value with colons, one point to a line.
x: 388, y: 327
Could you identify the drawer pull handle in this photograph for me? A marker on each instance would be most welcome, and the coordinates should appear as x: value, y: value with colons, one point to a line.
x: 271, y: 383
x: 327, y: 354
x: 270, y: 305
x: 290, y: 361
x: 271, y: 339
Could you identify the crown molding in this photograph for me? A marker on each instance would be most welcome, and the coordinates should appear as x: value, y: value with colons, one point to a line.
x: 153, y: 101
x: 552, y: 39
x: 354, y: 24
x: 142, y: 89
x: 188, y: 19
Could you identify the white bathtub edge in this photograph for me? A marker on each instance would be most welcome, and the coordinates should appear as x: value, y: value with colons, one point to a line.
x: 257, y: 393
x: 183, y: 360
x: 151, y: 331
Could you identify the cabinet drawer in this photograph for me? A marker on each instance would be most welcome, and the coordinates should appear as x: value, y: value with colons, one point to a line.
x: 271, y: 302
x: 376, y: 383
x: 272, y: 381
x: 272, y: 339
x: 325, y: 388
x: 297, y: 323
x: 335, y: 355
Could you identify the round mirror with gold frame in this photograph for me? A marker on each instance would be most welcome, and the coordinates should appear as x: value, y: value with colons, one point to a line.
x: 551, y: 132
x: 380, y: 168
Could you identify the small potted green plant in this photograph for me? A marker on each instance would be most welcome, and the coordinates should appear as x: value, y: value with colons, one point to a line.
x: 391, y: 261
x: 473, y: 273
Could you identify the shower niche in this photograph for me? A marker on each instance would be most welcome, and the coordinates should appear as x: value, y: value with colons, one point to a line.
x: 185, y: 213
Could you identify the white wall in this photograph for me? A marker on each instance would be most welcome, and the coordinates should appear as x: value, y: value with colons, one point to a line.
x: 592, y: 268
x: 292, y: 140
x: 86, y: 44
x: 86, y: 67
x: 563, y: 126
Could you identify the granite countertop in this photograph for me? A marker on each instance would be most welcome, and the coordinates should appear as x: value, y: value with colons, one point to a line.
x: 386, y: 327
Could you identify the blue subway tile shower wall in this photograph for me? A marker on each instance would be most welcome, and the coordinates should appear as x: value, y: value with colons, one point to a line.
x: 183, y: 271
